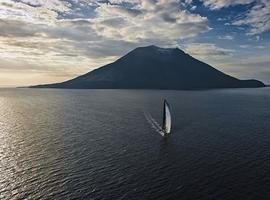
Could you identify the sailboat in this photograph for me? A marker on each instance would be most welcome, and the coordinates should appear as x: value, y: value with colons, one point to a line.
x: 167, y: 118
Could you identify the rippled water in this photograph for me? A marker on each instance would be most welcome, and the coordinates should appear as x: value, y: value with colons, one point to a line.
x: 98, y: 144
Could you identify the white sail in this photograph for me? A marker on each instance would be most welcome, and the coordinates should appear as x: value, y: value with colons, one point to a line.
x: 167, y: 118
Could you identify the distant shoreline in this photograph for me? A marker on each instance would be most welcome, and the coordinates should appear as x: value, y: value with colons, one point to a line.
x: 154, y: 89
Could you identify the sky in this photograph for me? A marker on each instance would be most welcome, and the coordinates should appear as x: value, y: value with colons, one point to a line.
x: 47, y: 41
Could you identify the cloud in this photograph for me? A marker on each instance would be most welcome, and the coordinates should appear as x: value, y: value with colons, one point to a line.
x: 257, y: 18
x: 244, y: 46
x: 147, y: 20
x: 188, y: 1
x: 207, y: 50
x: 218, y: 4
x: 16, y: 28
x: 141, y: 21
x: 56, y: 5
x: 226, y: 37
x: 35, y: 12
x: 193, y: 8
x: 250, y: 67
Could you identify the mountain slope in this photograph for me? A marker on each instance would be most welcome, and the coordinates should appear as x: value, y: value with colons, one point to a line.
x: 155, y: 68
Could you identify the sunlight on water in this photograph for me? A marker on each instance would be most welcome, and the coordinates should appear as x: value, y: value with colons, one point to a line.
x: 8, y: 152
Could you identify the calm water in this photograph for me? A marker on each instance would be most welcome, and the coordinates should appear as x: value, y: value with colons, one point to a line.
x: 97, y: 144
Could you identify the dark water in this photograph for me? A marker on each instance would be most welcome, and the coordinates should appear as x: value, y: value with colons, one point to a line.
x: 97, y: 144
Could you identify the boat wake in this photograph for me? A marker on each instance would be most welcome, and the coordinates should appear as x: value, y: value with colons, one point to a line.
x: 154, y: 124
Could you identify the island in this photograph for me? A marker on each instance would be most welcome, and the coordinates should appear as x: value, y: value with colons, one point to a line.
x: 152, y: 67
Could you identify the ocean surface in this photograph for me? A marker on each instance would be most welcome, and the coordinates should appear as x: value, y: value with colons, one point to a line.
x: 100, y: 144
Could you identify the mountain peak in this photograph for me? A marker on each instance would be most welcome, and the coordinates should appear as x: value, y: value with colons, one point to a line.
x: 157, y: 48
x: 159, y: 51
x: 151, y: 46
x: 153, y: 67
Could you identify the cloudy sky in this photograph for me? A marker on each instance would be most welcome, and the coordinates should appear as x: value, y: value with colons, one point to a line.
x: 45, y: 41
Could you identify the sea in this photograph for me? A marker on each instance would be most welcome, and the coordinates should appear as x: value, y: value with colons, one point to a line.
x: 104, y: 144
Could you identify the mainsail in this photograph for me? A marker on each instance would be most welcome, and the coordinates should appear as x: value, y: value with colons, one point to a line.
x: 167, y: 119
